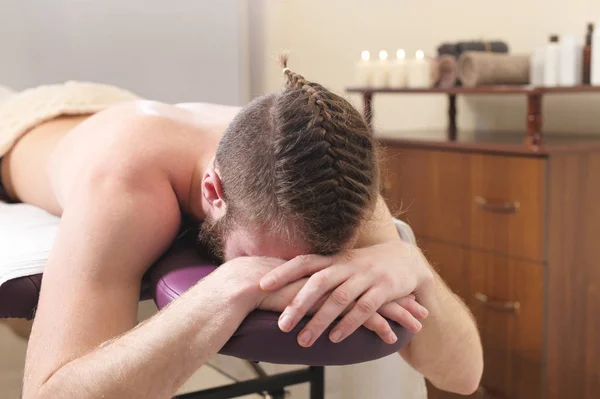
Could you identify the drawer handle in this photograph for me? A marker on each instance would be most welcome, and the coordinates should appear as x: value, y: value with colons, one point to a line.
x: 509, y: 307
x: 497, y: 206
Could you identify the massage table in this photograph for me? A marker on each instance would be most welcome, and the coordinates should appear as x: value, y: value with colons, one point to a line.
x: 258, y: 339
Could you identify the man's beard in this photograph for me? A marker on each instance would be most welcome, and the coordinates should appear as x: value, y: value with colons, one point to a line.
x: 211, y: 237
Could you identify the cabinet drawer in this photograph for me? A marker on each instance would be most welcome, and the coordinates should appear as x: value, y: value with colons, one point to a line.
x: 505, y: 296
x: 485, y: 201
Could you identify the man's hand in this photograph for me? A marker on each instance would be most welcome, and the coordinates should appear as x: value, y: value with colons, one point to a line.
x: 241, y: 277
x: 279, y: 300
x: 379, y: 279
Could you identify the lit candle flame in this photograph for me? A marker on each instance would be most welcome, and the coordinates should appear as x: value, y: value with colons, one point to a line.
x: 365, y: 55
x: 400, y: 54
x: 383, y: 55
x: 420, y: 55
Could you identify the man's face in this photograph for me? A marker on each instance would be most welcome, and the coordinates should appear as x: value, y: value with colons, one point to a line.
x: 226, y: 240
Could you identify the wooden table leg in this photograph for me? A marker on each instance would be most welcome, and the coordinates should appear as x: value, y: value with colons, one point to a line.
x: 368, y: 110
x: 452, y: 117
x: 534, y: 120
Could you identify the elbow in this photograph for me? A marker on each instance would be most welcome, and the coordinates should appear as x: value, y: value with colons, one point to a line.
x: 465, y: 381
x: 468, y: 385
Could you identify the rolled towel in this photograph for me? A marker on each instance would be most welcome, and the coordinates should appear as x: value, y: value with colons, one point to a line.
x: 448, y: 71
x: 456, y: 49
x: 479, y: 69
x: 22, y: 111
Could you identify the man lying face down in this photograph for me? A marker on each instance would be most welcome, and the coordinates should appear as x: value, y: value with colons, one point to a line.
x: 295, y: 172
x: 287, y: 188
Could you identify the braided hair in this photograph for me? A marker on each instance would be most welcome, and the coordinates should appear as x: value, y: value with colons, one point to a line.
x: 303, y: 157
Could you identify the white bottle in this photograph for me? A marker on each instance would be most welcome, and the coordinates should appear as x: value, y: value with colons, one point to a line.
x: 551, y: 63
x: 570, y: 55
x: 595, y: 67
x: 536, y: 67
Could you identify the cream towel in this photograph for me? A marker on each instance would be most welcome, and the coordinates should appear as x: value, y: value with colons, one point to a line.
x: 480, y: 69
x: 27, y: 109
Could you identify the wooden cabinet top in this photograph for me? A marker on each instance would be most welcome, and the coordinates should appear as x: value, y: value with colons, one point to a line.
x: 500, y: 143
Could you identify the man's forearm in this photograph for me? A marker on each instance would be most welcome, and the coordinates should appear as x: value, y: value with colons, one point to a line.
x: 157, y: 357
x: 447, y: 351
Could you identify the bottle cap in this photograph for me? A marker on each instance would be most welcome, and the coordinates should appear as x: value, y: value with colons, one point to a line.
x: 554, y: 39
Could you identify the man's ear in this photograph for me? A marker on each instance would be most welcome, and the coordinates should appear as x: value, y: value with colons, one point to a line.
x: 212, y: 190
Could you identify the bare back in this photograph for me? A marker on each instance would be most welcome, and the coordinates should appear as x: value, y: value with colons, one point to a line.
x: 41, y: 167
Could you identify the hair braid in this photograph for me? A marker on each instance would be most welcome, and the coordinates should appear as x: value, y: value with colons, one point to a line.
x: 302, y: 161
x: 326, y: 162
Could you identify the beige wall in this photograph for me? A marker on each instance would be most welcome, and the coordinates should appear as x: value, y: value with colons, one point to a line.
x: 173, y: 51
x: 326, y: 37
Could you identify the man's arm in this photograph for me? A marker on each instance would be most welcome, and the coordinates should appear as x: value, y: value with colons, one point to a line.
x: 154, y: 359
x: 447, y: 350
x: 377, y: 278
x: 115, y: 224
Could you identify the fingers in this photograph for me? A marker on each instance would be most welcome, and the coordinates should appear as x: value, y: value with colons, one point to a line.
x: 293, y: 270
x: 414, y: 308
x: 277, y: 301
x: 381, y: 327
x: 315, y: 288
x: 400, y: 315
x: 392, y: 311
x: 364, y: 309
x: 340, y: 299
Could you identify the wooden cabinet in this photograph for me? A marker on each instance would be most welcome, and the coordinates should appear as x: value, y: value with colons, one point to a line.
x: 488, y: 202
x: 505, y: 296
x: 513, y: 233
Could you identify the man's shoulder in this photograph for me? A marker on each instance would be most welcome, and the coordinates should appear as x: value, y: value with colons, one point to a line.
x: 145, y: 112
x: 139, y: 134
x: 133, y: 126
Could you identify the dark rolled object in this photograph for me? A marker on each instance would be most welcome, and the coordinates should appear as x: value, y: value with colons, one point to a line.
x: 456, y: 49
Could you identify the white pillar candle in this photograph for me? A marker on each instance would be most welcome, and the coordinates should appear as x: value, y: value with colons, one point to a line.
x: 381, y: 71
x: 397, y: 78
x: 363, y: 72
x: 419, y: 72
